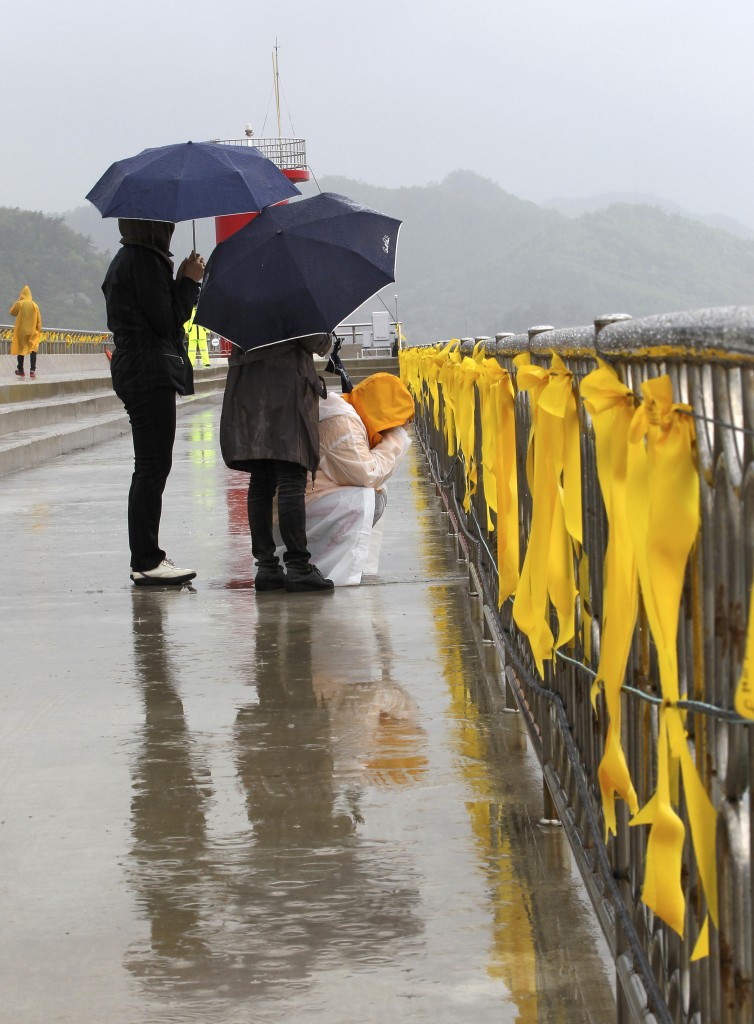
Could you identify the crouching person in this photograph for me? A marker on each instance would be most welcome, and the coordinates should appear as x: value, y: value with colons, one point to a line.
x: 362, y: 438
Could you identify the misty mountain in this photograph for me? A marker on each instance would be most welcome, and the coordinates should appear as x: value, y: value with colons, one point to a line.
x: 473, y: 259
x: 61, y: 267
x: 104, y: 235
x: 590, y: 204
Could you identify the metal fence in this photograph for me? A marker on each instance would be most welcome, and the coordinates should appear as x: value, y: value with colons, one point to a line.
x: 60, y: 340
x: 361, y: 334
x: 709, y: 357
x: 288, y: 154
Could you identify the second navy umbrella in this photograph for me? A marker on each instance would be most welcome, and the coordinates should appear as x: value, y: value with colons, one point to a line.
x: 297, y: 269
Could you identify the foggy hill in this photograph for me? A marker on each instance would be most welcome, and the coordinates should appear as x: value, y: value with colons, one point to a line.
x: 104, y: 234
x: 472, y: 259
x: 590, y: 204
x: 61, y: 267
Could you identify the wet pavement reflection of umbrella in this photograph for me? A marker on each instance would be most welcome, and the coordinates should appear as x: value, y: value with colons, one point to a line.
x: 296, y: 270
x: 188, y: 181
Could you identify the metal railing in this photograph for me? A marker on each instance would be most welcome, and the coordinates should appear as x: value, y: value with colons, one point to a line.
x: 60, y: 340
x: 288, y: 154
x: 709, y: 357
x: 355, y: 333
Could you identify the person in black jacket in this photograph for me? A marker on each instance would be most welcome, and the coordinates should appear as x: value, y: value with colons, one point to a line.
x: 146, y: 311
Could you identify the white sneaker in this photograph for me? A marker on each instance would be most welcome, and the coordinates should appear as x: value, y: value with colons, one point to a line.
x: 166, y: 573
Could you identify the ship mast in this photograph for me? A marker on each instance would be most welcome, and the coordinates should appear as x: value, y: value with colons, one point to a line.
x: 276, y: 83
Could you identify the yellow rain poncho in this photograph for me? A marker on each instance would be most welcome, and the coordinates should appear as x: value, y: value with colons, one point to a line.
x: 28, y: 327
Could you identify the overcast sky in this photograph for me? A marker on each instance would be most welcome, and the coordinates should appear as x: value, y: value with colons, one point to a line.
x: 545, y: 97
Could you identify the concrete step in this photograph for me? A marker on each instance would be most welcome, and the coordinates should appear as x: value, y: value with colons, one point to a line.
x: 48, y: 419
x: 60, y: 412
x: 16, y: 417
x: 23, y: 390
x: 59, y: 384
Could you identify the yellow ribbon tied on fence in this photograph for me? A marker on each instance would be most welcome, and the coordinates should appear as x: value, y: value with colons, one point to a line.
x: 437, y: 362
x: 420, y: 372
x: 409, y: 368
x: 500, y: 480
x: 744, y: 700
x: 662, y: 502
x: 448, y: 385
x: 413, y: 365
x: 497, y: 417
x: 554, y: 475
x: 467, y: 373
x: 611, y: 406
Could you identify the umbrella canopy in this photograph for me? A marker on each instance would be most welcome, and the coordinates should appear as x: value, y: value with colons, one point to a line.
x: 188, y: 181
x: 297, y: 270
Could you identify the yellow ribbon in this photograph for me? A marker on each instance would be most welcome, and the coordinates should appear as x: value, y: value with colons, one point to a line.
x: 554, y: 475
x: 467, y: 374
x: 498, y: 442
x: 448, y: 381
x: 611, y: 407
x: 439, y: 375
x: 662, y: 890
x: 47, y: 336
x: 744, y: 699
x: 662, y: 502
x: 420, y: 371
x: 649, y: 480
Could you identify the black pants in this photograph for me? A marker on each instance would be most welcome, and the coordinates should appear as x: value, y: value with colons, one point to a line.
x: 152, y: 416
x: 32, y: 362
x: 289, y: 480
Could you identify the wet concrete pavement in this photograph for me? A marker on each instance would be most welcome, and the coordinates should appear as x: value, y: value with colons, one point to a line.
x: 222, y: 807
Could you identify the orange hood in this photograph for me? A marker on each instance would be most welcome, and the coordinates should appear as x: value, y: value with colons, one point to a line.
x: 382, y: 402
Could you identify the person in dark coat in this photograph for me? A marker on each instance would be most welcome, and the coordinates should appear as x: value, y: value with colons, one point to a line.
x: 146, y: 310
x: 269, y: 428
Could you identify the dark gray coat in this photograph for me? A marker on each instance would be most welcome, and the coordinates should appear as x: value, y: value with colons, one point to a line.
x: 271, y: 404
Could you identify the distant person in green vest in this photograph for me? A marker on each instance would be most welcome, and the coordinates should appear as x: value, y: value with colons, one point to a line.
x: 26, y: 332
x: 197, y: 340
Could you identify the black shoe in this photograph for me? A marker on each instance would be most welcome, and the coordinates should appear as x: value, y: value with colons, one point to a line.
x: 309, y: 579
x: 270, y: 579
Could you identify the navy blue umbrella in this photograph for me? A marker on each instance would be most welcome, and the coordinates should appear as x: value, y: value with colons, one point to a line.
x: 296, y: 270
x: 188, y: 181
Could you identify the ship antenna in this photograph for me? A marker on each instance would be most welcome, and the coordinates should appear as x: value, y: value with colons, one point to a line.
x: 276, y: 80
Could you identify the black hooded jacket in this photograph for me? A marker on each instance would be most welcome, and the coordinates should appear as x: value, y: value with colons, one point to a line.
x: 146, y: 311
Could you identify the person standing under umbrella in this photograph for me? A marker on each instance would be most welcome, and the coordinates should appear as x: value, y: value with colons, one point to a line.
x: 269, y: 428
x: 146, y: 311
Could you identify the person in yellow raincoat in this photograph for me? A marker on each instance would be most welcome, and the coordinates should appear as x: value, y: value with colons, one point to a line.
x: 26, y: 332
x: 197, y: 340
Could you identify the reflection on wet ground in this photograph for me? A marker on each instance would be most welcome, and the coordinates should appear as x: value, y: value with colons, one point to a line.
x: 224, y: 807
